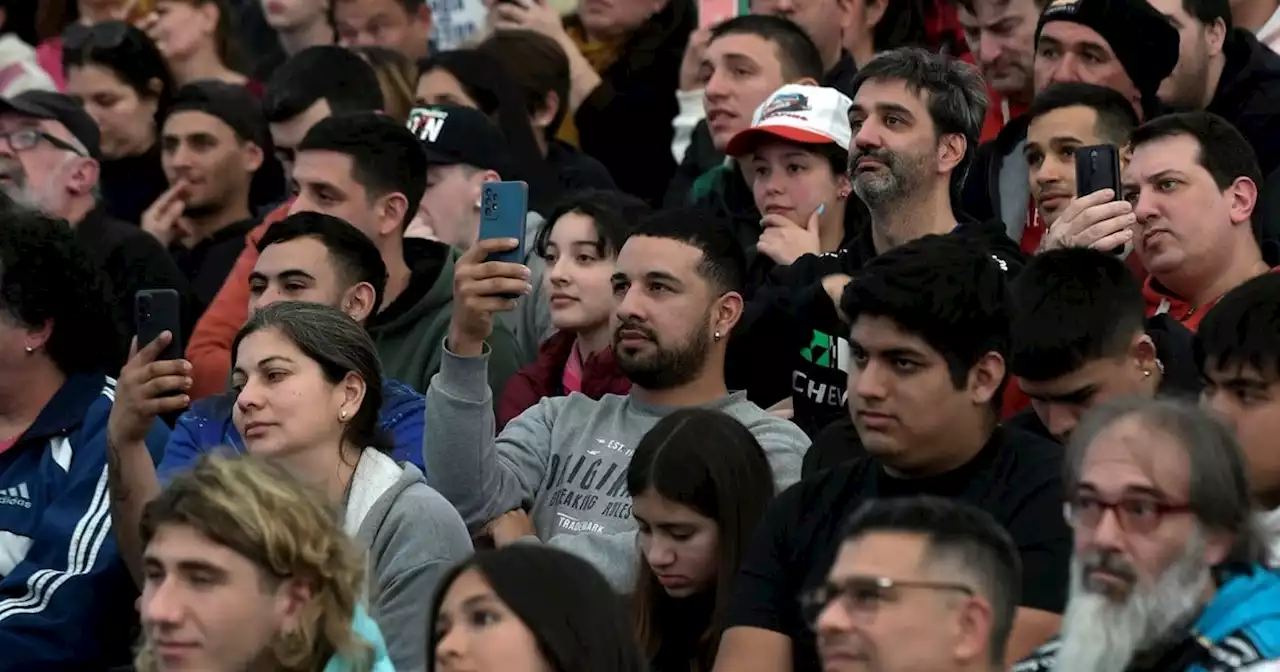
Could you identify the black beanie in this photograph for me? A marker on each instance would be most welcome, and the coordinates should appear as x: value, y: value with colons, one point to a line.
x: 1144, y: 41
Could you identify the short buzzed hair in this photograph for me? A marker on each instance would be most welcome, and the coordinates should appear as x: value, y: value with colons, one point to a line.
x: 796, y: 51
x: 962, y: 536
x: 1116, y: 117
x: 723, y: 265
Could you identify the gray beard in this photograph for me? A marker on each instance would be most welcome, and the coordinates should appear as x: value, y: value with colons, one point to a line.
x: 1099, y: 635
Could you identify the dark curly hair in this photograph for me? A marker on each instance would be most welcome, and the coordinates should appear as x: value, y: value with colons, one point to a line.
x: 47, y: 276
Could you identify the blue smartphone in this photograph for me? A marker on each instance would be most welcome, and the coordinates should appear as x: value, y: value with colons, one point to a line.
x: 503, y: 208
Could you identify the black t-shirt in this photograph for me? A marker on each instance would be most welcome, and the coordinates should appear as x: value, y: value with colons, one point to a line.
x: 1017, y: 478
x: 207, y: 265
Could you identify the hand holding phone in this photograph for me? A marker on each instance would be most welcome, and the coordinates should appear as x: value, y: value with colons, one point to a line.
x: 1097, y: 217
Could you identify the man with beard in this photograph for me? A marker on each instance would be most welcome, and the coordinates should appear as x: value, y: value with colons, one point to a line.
x: 49, y: 161
x: 1002, y: 37
x: 1226, y: 71
x: 1168, y: 572
x: 558, y: 471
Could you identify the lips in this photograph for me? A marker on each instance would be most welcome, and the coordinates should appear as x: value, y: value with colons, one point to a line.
x: 873, y: 420
x: 865, y: 164
x: 255, y: 429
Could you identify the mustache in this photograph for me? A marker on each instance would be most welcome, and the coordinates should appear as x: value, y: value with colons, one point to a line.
x: 881, y: 155
x: 12, y: 169
x: 1110, y: 562
x: 634, y: 325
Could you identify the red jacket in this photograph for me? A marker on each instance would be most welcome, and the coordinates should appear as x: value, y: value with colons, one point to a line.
x: 542, y: 378
x: 1160, y: 300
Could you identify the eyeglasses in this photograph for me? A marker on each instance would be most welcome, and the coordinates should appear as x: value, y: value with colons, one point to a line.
x: 865, y: 594
x: 1139, y: 515
x: 24, y: 139
x: 104, y: 35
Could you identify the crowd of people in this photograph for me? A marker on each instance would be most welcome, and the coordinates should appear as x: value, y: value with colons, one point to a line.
x: 813, y: 350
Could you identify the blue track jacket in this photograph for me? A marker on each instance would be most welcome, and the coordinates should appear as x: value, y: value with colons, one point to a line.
x: 66, y: 598
x: 207, y: 425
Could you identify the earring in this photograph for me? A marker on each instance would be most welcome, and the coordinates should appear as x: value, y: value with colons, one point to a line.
x: 29, y: 349
x: 342, y: 415
x: 717, y: 336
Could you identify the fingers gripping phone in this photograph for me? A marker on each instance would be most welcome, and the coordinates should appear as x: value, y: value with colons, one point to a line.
x: 1098, y: 168
x: 156, y: 311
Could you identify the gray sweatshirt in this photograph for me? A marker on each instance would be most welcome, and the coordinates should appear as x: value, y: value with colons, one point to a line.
x: 566, y: 458
x: 414, y: 536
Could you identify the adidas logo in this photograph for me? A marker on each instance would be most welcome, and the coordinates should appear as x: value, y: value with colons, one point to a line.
x: 16, y: 496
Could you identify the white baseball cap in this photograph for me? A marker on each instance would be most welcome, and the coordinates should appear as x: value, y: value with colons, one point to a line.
x: 808, y: 115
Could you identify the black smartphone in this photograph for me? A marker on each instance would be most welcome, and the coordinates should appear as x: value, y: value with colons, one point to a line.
x: 1098, y: 168
x: 156, y: 311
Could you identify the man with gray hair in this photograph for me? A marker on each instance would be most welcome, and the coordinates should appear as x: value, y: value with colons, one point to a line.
x: 1169, y: 570
x: 961, y: 569
x: 49, y: 162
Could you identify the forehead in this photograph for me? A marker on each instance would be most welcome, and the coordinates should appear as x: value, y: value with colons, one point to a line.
x: 573, y: 226
x: 641, y: 255
x: 875, y: 93
x: 986, y: 11
x: 1071, y: 34
x: 469, y: 584
x: 1128, y: 454
x: 10, y: 120
x: 175, y: 542
x: 742, y: 44
x: 193, y: 121
x: 1077, y: 121
x: 356, y: 9
x: 874, y: 332
x: 769, y: 148
x: 1170, y: 7
x: 323, y: 166
x: 888, y: 554
x: 265, y: 343
x: 300, y: 254
x: 1179, y: 152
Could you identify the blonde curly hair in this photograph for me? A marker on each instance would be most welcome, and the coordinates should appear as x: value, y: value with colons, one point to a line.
x: 262, y: 512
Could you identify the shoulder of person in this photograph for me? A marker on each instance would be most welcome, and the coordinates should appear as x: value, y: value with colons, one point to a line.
x: 1042, y: 659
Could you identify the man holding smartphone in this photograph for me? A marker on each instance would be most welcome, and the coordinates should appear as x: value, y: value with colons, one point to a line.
x: 1063, y: 119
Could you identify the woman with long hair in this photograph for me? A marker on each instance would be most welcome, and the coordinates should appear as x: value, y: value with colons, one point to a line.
x: 291, y: 583
x: 119, y: 76
x: 529, y: 608
x: 52, y: 17
x: 308, y: 387
x: 699, y: 484
x: 197, y: 38
x: 477, y: 80
x: 579, y: 244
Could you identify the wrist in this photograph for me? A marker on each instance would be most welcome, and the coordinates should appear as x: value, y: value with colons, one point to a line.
x: 463, y: 345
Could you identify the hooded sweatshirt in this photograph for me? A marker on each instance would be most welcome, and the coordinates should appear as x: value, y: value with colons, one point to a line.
x: 1239, y: 627
x: 414, y: 536
x: 408, y: 332
x: 564, y: 460
x: 366, y: 629
x: 545, y: 377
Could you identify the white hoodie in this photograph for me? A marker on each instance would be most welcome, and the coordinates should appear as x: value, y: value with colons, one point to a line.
x: 19, y: 71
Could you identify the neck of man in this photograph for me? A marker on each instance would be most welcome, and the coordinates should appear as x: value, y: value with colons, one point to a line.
x: 864, y: 50
x: 1216, y: 65
x: 1253, y: 14
x: 297, y: 38
x: 832, y: 57
x: 210, y: 222
x: 593, y: 341
x: 912, y: 217
x: 24, y: 393
x: 204, y: 64
x: 1201, y: 291
x: 706, y: 388
x: 398, y: 272
x: 963, y: 441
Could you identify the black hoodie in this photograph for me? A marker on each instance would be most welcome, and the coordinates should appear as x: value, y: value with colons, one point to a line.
x: 791, y: 342
x: 1248, y: 95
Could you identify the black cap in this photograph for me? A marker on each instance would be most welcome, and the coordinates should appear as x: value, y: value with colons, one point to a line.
x: 1144, y: 41
x: 454, y: 134
x: 233, y: 104
x: 60, y: 108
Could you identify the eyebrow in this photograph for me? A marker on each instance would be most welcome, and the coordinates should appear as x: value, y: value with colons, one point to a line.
x: 1130, y: 490
x: 263, y: 362
x: 882, y: 108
